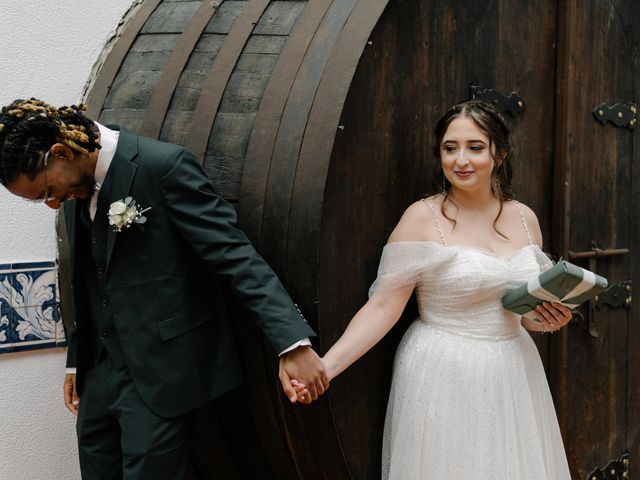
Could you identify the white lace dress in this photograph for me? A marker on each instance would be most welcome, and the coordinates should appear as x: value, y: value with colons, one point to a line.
x: 469, y: 398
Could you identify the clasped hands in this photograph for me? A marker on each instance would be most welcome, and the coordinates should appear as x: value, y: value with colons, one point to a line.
x: 303, y: 375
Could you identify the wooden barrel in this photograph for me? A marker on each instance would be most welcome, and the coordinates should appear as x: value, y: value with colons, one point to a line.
x: 314, y: 119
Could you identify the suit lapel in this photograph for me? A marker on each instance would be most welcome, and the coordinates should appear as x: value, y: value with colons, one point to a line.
x: 116, y: 186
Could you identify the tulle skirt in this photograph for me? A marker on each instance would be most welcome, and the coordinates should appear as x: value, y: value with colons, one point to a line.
x: 464, y: 408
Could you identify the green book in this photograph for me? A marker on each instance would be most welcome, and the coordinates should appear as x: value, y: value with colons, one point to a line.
x: 564, y: 283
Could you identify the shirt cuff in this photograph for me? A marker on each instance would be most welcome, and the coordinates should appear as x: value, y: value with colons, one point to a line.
x: 70, y: 371
x: 305, y: 342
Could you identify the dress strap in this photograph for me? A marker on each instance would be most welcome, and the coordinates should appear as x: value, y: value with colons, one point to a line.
x: 435, y: 217
x: 524, y: 222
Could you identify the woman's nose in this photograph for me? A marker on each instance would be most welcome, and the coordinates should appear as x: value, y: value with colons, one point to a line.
x: 462, y: 157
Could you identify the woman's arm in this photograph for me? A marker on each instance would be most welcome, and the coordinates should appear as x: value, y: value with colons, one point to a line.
x: 384, y: 308
x: 368, y: 326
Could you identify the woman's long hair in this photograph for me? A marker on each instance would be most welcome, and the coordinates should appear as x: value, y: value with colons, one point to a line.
x: 491, y: 122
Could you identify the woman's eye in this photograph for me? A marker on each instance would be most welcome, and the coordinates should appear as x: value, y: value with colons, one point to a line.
x: 449, y: 148
x: 476, y: 148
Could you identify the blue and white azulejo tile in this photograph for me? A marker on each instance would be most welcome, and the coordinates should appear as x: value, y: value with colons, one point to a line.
x: 29, y: 307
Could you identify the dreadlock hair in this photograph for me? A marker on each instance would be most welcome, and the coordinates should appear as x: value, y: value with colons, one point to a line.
x: 491, y: 122
x: 29, y: 128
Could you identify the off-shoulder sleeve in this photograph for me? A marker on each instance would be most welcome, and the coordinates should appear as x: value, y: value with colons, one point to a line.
x: 544, y: 262
x: 403, y: 263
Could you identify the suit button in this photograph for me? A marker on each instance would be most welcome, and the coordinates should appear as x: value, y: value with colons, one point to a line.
x: 104, y: 302
x: 93, y: 239
x: 100, y: 271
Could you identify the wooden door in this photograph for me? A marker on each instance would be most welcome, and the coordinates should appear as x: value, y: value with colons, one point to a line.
x: 595, y: 362
x: 423, y: 56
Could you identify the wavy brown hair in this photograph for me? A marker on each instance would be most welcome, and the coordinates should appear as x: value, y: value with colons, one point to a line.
x: 491, y: 122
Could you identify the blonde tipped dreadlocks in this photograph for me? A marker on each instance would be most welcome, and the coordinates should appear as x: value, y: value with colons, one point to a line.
x: 28, y: 129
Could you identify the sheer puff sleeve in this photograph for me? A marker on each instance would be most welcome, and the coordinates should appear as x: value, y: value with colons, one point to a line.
x: 544, y: 262
x: 403, y: 264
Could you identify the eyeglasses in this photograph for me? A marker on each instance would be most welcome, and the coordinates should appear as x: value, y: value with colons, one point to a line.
x: 45, y: 198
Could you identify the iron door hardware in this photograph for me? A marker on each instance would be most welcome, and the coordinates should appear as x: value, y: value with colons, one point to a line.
x: 617, y: 295
x: 622, y: 115
x: 610, y: 295
x: 512, y: 103
x: 598, y: 252
x: 615, y: 470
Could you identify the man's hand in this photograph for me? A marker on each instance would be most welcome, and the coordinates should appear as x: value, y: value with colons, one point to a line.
x: 304, y: 365
x: 71, y: 399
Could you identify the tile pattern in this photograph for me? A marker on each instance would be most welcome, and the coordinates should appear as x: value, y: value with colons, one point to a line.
x: 29, y: 307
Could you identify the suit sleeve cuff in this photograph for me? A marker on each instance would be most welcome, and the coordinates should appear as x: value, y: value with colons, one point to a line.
x: 305, y: 342
x: 70, y: 371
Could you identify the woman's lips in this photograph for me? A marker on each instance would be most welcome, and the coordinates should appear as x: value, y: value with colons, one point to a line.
x: 463, y: 174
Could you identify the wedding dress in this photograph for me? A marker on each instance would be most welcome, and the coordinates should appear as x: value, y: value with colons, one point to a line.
x: 469, y: 398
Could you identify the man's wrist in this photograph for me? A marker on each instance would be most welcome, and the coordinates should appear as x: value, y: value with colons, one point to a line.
x: 305, y: 342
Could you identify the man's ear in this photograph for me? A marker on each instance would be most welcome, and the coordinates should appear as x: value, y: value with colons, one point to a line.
x: 60, y: 150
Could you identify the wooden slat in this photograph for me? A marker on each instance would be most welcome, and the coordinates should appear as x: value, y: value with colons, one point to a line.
x: 98, y: 93
x: 171, y: 17
x: 129, y: 118
x: 322, y: 126
x: 213, y: 88
x: 265, y: 44
x: 259, y: 152
x: 310, y: 181
x: 223, y: 160
x: 163, y: 92
x: 291, y: 130
x: 226, y: 16
x: 187, y: 91
x: 565, y: 77
x: 633, y: 386
x: 246, y: 85
x: 279, y: 18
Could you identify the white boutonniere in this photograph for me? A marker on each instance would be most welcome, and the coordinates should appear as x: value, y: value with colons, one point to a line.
x: 123, y: 213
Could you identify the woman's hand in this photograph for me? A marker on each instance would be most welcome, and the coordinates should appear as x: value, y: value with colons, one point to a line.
x: 302, y: 393
x: 553, y: 316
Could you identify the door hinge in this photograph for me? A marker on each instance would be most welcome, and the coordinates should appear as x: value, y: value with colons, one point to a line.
x: 615, y: 470
x: 621, y: 114
x: 512, y: 103
x: 617, y: 295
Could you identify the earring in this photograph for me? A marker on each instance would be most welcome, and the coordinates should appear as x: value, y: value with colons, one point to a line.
x: 444, y: 183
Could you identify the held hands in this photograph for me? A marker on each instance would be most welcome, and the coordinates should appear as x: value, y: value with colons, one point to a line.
x: 71, y: 399
x: 306, y: 368
x: 553, y: 316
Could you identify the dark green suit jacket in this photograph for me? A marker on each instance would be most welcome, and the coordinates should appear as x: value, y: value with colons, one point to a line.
x: 163, y: 281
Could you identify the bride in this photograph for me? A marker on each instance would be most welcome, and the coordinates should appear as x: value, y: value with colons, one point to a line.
x: 469, y: 397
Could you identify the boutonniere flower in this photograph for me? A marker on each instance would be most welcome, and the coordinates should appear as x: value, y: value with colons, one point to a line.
x: 125, y: 212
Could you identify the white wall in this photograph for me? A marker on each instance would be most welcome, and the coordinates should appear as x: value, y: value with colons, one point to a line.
x: 48, y: 50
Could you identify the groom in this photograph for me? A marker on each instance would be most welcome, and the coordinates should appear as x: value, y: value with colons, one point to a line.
x: 151, y: 247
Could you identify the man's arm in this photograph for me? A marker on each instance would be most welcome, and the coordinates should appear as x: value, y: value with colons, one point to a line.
x: 209, y: 225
